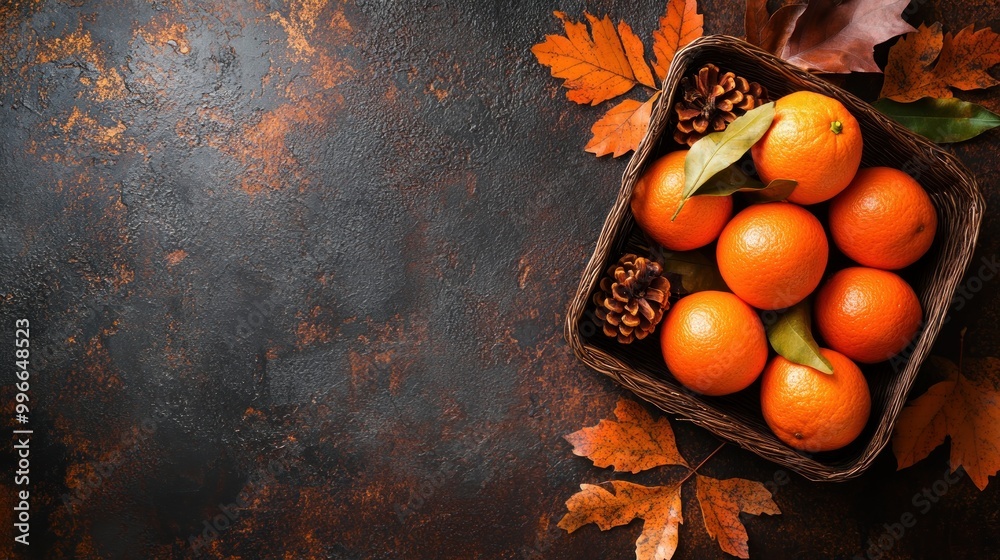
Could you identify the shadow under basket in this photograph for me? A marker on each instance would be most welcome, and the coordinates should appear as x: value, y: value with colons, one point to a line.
x: 737, y: 418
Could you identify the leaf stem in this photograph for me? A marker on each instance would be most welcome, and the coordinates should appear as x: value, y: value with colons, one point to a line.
x: 702, y: 463
x: 691, y: 471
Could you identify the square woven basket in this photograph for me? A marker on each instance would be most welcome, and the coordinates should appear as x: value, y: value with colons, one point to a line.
x: 737, y: 418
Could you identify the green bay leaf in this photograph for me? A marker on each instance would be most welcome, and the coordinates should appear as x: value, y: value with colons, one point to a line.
x: 775, y: 191
x: 719, y: 150
x: 724, y: 183
x: 791, y: 337
x: 941, y: 120
x: 732, y: 179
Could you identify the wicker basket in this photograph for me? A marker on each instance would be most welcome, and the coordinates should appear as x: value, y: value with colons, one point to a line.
x: 737, y: 418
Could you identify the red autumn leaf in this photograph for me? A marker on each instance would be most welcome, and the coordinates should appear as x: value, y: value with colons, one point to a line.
x: 928, y: 63
x: 840, y: 37
x: 679, y: 26
x: 621, y: 128
x: 964, y: 408
x: 721, y: 503
x: 595, y: 65
x: 658, y: 506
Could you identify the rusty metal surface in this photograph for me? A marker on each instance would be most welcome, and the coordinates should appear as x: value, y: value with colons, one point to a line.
x: 295, y: 272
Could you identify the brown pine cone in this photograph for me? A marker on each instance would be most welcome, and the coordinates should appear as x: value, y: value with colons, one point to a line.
x: 711, y: 100
x: 632, y: 298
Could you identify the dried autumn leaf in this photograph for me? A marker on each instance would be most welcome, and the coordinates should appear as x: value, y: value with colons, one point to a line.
x: 594, y: 65
x: 771, y: 32
x: 636, y: 53
x: 779, y: 28
x: 840, y: 36
x: 967, y: 57
x: 634, y: 443
x: 966, y: 409
x: 679, y: 26
x: 754, y: 21
x: 908, y: 72
x: 658, y: 506
x: 963, y: 61
x: 721, y: 503
x: 621, y: 128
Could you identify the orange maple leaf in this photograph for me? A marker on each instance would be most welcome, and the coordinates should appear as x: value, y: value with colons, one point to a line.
x: 605, y: 62
x: 679, y: 26
x: 963, y: 408
x: 636, y: 53
x: 928, y: 63
x: 598, y: 65
x: 721, y: 503
x: 634, y: 443
x: 908, y: 72
x: 658, y: 506
x: 621, y: 129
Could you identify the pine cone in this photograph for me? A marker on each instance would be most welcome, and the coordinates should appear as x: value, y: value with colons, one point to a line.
x: 632, y: 298
x: 710, y: 101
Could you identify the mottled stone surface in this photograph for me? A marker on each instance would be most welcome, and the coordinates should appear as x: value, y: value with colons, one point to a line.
x: 298, y: 268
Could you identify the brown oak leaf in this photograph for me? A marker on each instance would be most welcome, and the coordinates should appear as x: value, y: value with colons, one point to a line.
x: 679, y: 26
x: 839, y: 37
x: 621, y: 128
x: 721, y: 503
x: 658, y: 506
x: 780, y: 25
x: 771, y: 32
x: 928, y: 63
x: 634, y: 443
x: 754, y: 21
x: 595, y: 64
x: 964, y: 408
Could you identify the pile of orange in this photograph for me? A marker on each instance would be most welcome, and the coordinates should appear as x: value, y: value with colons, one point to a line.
x: 774, y: 255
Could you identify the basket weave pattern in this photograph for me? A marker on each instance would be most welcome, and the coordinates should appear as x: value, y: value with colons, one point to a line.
x: 737, y: 418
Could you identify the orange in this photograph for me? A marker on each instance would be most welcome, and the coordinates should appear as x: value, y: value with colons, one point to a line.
x: 814, y: 140
x: 883, y: 219
x: 773, y: 255
x: 810, y: 410
x: 655, y: 199
x: 867, y: 314
x: 713, y: 343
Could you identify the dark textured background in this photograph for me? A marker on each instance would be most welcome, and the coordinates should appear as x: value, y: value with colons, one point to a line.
x: 339, y: 239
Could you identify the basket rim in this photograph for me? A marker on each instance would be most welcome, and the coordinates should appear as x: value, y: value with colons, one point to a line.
x: 946, y: 275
